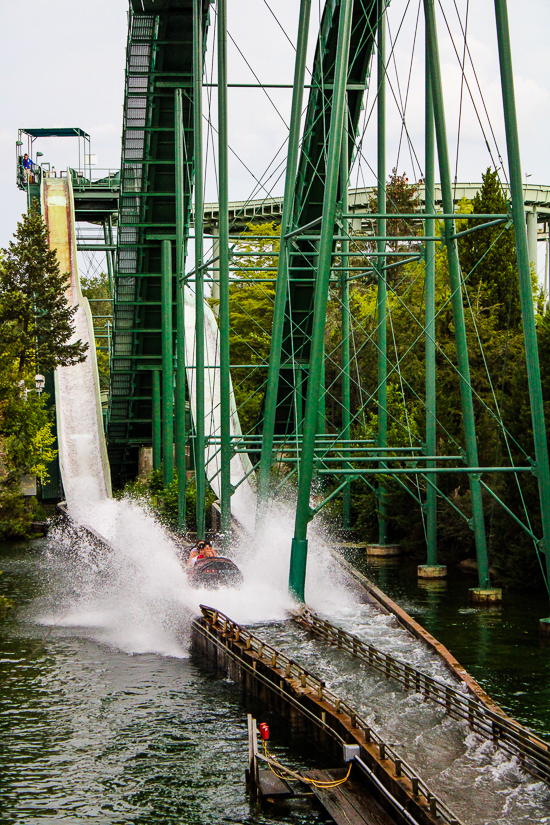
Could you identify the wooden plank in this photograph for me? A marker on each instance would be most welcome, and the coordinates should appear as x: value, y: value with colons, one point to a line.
x: 271, y: 785
x: 349, y: 803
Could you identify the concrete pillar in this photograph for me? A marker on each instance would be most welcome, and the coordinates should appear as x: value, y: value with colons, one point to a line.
x: 145, y: 463
x: 384, y: 550
x: 485, y: 595
x: 432, y: 571
x: 532, y: 237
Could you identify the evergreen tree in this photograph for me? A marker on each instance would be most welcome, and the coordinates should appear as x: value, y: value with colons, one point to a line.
x: 26, y: 441
x: 488, y: 257
x: 401, y: 199
x: 36, y: 322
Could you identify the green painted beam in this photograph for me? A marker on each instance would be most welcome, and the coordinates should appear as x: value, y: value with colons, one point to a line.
x: 298, y: 558
x: 455, y: 277
x: 223, y: 231
x: 382, y: 293
x: 167, y: 366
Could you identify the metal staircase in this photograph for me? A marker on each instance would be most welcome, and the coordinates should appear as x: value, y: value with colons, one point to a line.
x: 159, y: 60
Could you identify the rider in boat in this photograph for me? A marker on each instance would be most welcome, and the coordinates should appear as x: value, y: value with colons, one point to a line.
x: 196, y: 553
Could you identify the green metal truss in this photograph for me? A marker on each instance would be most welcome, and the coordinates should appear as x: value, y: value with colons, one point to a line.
x: 162, y: 163
x: 159, y: 61
x: 309, y: 194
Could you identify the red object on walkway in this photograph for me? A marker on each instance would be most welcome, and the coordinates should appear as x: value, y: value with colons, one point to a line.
x: 263, y: 727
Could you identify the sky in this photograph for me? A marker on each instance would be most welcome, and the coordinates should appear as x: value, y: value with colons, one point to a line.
x: 62, y: 64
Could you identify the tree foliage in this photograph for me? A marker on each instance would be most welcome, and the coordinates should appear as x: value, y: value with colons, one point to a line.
x: 36, y: 328
x: 96, y: 288
x: 494, y: 332
x: 36, y: 320
x: 251, y: 303
x: 501, y: 400
x: 488, y: 256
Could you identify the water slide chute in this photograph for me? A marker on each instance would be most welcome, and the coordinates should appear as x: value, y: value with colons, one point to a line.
x: 243, y: 500
x: 81, y: 440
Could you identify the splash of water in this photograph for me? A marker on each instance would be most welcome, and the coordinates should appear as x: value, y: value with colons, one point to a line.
x: 136, y: 596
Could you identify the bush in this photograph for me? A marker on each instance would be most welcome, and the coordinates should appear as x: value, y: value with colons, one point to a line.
x: 164, y: 500
x: 15, y: 516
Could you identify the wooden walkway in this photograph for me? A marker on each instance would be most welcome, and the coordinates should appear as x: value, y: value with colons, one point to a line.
x: 285, y: 687
x: 350, y: 803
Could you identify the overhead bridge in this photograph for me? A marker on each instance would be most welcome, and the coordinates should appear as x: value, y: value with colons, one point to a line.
x: 258, y: 210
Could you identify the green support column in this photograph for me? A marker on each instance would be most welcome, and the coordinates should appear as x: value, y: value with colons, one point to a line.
x: 200, y: 476
x: 180, y: 434
x: 456, y: 296
x: 167, y: 365
x: 431, y: 433
x: 107, y: 237
x: 156, y: 418
x: 180, y: 310
x: 270, y: 405
x: 345, y: 324
x: 225, y: 386
x: 381, y: 263
x: 321, y: 424
x: 524, y: 272
x: 299, y: 378
x: 298, y: 559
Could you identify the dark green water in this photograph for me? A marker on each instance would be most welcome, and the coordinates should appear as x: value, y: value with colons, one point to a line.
x: 499, y: 646
x: 91, y: 734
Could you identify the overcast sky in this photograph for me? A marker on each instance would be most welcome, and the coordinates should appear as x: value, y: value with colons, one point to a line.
x: 62, y: 64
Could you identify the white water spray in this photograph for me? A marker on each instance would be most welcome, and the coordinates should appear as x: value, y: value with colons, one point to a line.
x: 136, y: 595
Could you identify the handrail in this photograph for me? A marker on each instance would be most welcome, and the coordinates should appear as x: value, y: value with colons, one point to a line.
x: 24, y: 177
x: 109, y: 180
x: 307, y: 681
x: 505, y: 733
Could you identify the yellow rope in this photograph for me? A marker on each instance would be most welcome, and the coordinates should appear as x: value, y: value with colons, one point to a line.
x: 315, y: 782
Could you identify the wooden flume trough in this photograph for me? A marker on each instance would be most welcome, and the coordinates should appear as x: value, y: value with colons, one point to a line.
x: 484, y: 717
x: 297, y: 695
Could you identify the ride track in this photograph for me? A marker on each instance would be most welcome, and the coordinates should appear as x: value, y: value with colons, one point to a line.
x: 162, y: 172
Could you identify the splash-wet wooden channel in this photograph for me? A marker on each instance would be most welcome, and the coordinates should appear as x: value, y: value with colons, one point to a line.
x: 285, y: 687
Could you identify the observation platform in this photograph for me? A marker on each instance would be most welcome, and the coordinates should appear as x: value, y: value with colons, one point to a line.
x: 96, y: 191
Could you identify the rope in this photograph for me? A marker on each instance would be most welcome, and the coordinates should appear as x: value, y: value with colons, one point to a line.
x: 317, y: 783
x: 463, y: 75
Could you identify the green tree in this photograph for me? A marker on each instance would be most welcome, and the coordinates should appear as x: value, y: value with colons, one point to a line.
x: 36, y: 322
x: 26, y: 440
x: 401, y: 199
x: 488, y: 256
x: 251, y: 318
x: 497, y: 363
x: 96, y: 289
x: 36, y: 325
